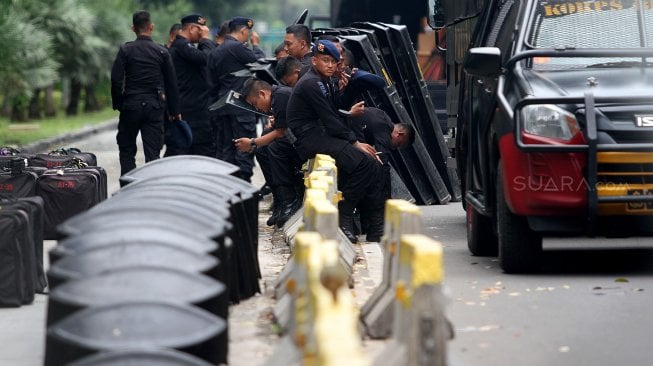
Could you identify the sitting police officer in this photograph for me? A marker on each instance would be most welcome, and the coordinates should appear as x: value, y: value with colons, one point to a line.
x: 274, y: 99
x: 318, y: 128
x: 143, y: 83
x: 375, y: 128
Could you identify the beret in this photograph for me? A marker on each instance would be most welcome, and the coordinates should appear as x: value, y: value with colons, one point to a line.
x: 326, y: 48
x: 193, y: 18
x: 181, y: 134
x: 249, y: 23
x: 365, y: 80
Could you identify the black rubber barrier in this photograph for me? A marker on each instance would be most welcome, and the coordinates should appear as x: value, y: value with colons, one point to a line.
x: 141, y: 358
x: 135, y: 325
x: 98, y: 260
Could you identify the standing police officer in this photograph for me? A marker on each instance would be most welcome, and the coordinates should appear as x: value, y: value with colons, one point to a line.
x: 314, y: 121
x: 143, y: 83
x: 191, y: 68
x: 231, y: 56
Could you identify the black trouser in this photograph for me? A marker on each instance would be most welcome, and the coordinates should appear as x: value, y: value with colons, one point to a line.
x: 372, y: 206
x: 285, y: 165
x: 228, y: 128
x: 142, y: 114
x: 358, y: 173
x: 203, y: 140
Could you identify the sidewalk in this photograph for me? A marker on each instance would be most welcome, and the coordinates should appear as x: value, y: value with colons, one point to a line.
x: 252, y: 334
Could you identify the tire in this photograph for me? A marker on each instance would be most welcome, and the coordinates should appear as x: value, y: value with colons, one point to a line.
x: 481, y: 238
x: 520, y: 248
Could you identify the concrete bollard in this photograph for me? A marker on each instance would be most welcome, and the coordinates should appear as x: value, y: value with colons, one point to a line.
x: 421, y: 329
x: 401, y: 217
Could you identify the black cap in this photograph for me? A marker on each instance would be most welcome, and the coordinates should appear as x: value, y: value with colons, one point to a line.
x: 193, y: 18
x: 235, y: 21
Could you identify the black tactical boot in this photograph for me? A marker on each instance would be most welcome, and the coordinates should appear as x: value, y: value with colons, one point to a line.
x: 276, y: 208
x: 346, y: 219
x: 288, y: 205
x: 375, y: 225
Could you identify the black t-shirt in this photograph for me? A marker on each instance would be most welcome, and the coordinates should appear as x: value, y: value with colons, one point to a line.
x: 280, y: 97
x: 374, y: 127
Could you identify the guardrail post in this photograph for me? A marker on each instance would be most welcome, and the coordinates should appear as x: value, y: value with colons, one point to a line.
x: 401, y: 217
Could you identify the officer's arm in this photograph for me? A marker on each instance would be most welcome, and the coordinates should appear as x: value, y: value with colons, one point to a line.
x: 170, y: 79
x: 206, y: 45
x: 244, y: 55
x: 194, y: 55
x: 335, y: 126
x: 117, y: 80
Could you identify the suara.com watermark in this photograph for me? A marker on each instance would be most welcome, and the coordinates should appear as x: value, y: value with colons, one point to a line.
x: 563, y: 183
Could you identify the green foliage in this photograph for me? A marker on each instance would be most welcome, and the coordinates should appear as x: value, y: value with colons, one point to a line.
x: 165, y: 15
x: 26, y: 60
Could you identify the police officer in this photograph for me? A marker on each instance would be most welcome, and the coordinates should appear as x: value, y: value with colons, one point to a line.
x: 231, y: 56
x: 274, y: 99
x: 375, y: 128
x: 143, y: 84
x: 298, y: 45
x: 191, y: 68
x: 172, y: 34
x: 287, y: 71
x: 314, y: 121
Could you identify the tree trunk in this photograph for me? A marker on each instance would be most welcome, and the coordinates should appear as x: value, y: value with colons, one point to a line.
x: 50, y: 110
x: 91, y: 103
x: 5, y: 111
x: 35, y: 105
x: 18, y: 113
x: 75, y: 94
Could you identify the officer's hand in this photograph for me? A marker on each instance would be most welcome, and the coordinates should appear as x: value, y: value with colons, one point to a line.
x: 255, y: 39
x: 368, y: 149
x: 343, y: 81
x: 357, y: 109
x: 243, y: 144
x: 204, y: 31
x: 271, y: 121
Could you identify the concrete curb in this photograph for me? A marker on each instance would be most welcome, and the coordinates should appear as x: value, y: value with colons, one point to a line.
x: 42, y: 145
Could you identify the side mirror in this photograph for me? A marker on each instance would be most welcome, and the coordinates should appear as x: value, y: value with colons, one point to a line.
x: 436, y: 15
x: 483, y: 61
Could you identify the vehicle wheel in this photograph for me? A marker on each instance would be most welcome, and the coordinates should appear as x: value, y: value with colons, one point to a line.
x: 481, y: 239
x: 520, y: 248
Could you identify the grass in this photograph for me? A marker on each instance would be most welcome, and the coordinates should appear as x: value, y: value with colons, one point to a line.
x: 18, y: 134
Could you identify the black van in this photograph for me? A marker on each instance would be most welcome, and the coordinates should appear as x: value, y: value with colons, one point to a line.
x: 554, y: 115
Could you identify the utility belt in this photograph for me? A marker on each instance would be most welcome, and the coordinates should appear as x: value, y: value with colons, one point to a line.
x: 293, y: 133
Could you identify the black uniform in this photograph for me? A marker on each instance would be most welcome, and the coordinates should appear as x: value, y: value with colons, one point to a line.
x: 284, y: 163
x: 192, y: 77
x: 143, y: 83
x: 307, y: 63
x: 375, y: 128
x: 313, y: 120
x: 229, y: 57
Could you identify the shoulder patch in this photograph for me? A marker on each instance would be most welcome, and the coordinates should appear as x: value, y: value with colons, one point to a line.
x: 323, y: 88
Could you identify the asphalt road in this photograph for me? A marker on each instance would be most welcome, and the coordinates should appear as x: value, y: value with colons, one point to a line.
x: 587, y: 306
